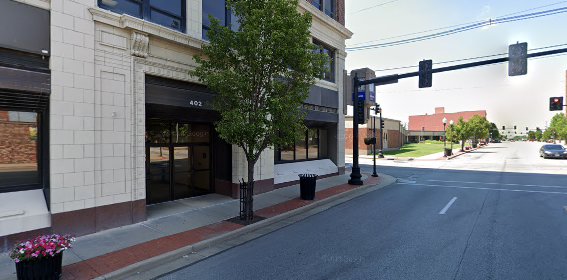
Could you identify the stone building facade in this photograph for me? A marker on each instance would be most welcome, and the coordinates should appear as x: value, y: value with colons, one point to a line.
x: 127, y: 126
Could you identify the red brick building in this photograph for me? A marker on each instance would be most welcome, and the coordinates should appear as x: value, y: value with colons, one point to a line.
x: 393, y: 138
x: 430, y: 127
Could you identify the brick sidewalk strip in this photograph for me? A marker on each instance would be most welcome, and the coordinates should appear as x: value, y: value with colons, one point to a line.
x: 99, y: 266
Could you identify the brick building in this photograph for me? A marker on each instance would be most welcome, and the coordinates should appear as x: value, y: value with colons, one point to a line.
x: 430, y: 127
x: 394, y: 135
x: 101, y: 111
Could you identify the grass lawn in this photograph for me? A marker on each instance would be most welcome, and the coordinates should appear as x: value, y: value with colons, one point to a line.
x: 418, y: 150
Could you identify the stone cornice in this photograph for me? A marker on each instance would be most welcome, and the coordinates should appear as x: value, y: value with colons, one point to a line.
x: 337, y: 26
x: 152, y: 29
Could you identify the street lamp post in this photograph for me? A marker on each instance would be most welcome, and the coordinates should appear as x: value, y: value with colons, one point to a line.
x: 376, y: 109
x: 453, y: 131
x: 444, y: 137
x: 380, y: 154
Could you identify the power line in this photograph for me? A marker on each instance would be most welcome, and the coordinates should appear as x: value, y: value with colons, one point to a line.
x: 375, y: 6
x: 457, y: 25
x: 470, y: 58
x: 462, y: 29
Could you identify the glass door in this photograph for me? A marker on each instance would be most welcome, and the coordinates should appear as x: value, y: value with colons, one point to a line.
x: 182, y: 172
x: 178, y: 160
x: 201, y: 170
x: 158, y: 175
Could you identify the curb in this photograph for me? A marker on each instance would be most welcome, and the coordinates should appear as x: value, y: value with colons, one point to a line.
x: 465, y: 152
x: 147, y: 265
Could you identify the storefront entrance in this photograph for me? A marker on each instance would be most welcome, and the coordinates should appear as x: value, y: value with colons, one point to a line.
x: 178, y: 158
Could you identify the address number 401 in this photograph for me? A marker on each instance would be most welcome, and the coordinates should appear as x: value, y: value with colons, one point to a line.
x: 196, y: 103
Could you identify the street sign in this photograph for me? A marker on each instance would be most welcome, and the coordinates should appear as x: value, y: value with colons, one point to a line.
x: 425, y: 74
x: 372, y: 95
x: 518, y: 59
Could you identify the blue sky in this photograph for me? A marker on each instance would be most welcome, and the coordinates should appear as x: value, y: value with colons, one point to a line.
x: 520, y: 101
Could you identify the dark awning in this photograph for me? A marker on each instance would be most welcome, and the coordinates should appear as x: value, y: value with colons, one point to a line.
x: 24, y: 89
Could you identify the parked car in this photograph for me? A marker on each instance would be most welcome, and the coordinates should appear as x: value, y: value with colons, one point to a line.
x: 552, y: 151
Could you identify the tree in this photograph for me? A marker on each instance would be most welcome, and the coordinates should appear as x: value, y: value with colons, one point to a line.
x: 462, y: 132
x: 558, y: 127
x: 538, y: 134
x: 494, y: 133
x: 532, y: 136
x: 261, y: 74
x: 451, y: 134
x: 479, y: 128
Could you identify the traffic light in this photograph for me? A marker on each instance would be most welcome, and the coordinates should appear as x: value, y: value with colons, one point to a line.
x: 361, y: 111
x: 503, y: 127
x: 555, y: 103
x: 425, y: 74
x: 518, y: 59
x: 526, y: 128
x: 381, y: 124
x: 514, y: 127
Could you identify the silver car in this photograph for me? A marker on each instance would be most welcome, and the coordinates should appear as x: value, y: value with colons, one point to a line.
x: 552, y: 151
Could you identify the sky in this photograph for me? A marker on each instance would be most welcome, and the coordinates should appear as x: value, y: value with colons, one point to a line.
x: 522, y: 100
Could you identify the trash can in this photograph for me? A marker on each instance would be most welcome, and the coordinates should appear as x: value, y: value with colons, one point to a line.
x: 307, y: 184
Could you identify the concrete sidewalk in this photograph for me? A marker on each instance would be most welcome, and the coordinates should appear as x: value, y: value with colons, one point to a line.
x: 175, y: 225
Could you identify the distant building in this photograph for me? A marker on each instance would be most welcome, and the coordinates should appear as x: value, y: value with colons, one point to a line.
x: 393, y: 138
x: 430, y: 127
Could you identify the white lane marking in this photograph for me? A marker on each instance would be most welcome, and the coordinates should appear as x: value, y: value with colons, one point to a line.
x: 500, y: 184
x: 487, y: 189
x: 444, y: 210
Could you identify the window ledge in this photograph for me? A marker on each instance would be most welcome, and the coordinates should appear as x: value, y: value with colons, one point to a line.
x: 23, y: 211
x: 326, y: 84
x: 326, y: 19
x: 150, y: 28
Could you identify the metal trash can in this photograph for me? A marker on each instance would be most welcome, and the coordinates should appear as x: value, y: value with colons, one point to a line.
x: 307, y: 184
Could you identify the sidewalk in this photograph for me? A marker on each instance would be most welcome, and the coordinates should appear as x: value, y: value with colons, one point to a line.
x: 179, y: 224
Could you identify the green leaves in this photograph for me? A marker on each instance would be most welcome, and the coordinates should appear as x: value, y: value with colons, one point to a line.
x: 262, y: 73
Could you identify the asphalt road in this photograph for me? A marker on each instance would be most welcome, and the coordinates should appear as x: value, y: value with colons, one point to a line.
x: 432, y: 224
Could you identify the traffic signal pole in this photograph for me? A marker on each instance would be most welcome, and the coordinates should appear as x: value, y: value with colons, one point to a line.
x: 355, y: 176
x: 355, y: 171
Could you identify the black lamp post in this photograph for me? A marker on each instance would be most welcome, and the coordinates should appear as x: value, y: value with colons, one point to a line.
x: 380, y: 154
x: 452, y: 130
x: 376, y: 110
x: 444, y: 137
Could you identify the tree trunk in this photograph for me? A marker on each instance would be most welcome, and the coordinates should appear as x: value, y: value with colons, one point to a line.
x: 250, y: 191
x: 462, y: 145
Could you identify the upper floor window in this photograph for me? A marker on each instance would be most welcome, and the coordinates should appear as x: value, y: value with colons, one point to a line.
x: 218, y: 9
x: 170, y: 13
x: 327, y: 6
x: 329, y: 72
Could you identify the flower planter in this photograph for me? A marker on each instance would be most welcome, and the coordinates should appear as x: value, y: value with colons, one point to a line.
x: 40, y: 268
x: 41, y: 258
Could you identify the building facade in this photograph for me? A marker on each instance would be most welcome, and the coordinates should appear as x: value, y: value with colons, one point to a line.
x: 394, y: 135
x: 113, y: 122
x: 430, y: 127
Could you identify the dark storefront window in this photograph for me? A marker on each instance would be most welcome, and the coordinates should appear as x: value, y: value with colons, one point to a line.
x: 329, y: 72
x: 218, y: 9
x: 170, y: 13
x: 311, y: 147
x: 20, y: 145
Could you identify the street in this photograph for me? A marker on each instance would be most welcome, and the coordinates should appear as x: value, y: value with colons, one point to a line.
x: 434, y: 223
